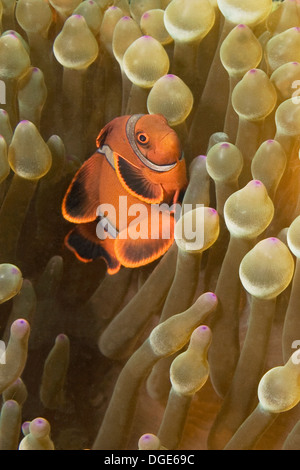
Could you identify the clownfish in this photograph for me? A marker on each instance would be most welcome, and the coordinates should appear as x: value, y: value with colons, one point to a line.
x: 138, y: 166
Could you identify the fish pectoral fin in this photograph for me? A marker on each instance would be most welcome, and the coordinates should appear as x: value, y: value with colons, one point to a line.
x: 83, y: 241
x: 135, y: 181
x: 152, y: 242
x: 82, y: 197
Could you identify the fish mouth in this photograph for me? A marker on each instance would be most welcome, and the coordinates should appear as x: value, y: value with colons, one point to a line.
x: 169, y: 140
x: 170, y: 133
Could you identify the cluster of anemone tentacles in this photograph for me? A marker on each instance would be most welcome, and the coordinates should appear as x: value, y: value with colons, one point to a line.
x: 199, y: 349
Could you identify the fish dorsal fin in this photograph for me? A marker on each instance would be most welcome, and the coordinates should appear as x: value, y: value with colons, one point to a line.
x: 135, y: 181
x: 82, y: 198
x: 103, y: 135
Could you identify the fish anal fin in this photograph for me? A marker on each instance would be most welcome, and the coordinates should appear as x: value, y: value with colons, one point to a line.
x: 133, y: 252
x: 135, y: 181
x: 83, y: 241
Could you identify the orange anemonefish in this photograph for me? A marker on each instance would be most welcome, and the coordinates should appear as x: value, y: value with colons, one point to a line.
x: 138, y: 160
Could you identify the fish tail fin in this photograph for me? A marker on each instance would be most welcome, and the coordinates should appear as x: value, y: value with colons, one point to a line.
x: 82, y: 241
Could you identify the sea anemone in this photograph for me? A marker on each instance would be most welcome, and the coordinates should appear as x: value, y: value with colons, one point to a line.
x: 197, y: 349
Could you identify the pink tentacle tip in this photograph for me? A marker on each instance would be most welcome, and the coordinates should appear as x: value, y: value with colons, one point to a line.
x: 273, y: 240
x: 10, y: 404
x: 256, y: 183
x: 146, y: 15
x: 20, y: 328
x: 213, y: 211
x: 241, y: 26
x: 61, y: 337
x: 199, y: 331
x: 212, y: 295
x: 225, y: 145
x: 253, y: 71
x: 25, y: 426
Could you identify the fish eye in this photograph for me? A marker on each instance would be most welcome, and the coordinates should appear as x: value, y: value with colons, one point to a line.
x: 142, y: 138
